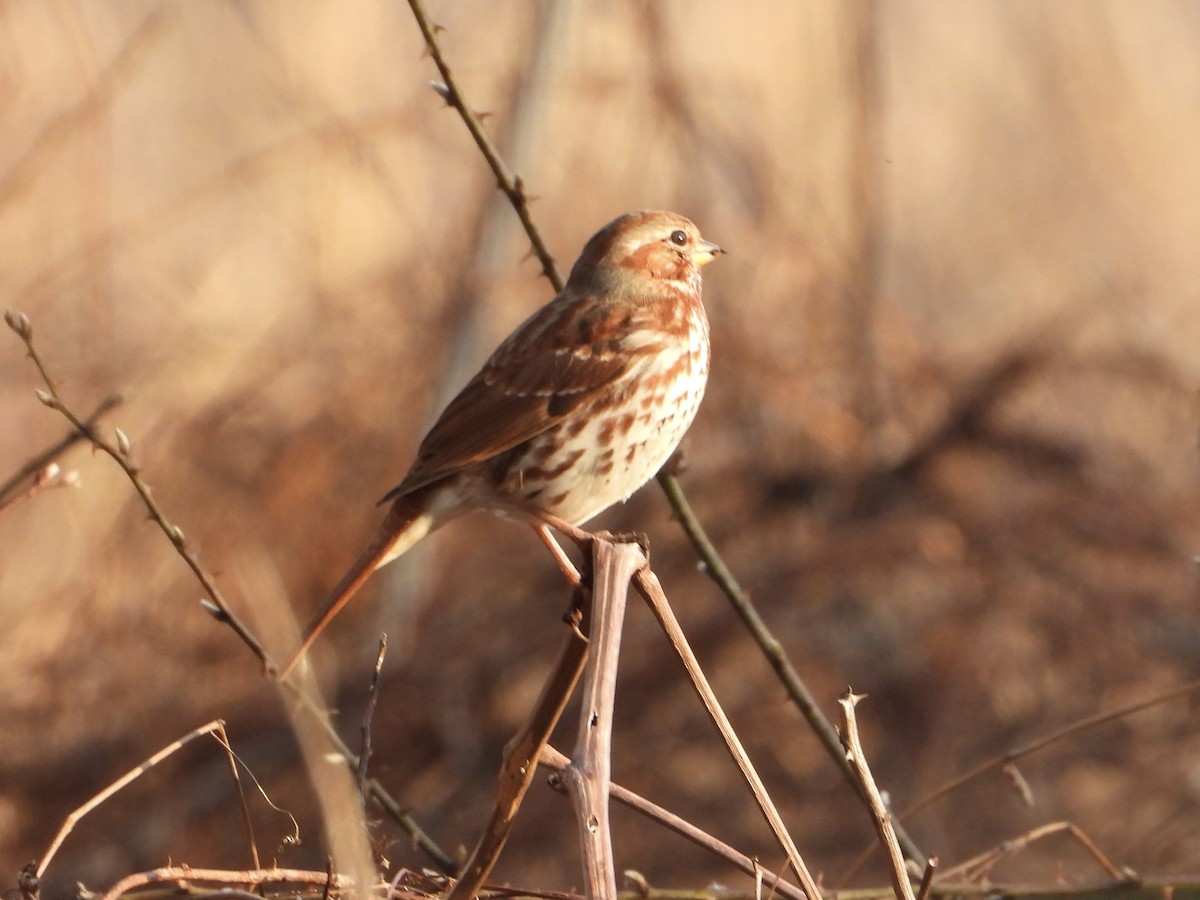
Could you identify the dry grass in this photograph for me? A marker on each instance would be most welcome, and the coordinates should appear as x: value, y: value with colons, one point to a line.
x: 950, y: 440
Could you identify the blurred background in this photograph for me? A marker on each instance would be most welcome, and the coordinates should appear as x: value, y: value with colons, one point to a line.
x: 949, y: 443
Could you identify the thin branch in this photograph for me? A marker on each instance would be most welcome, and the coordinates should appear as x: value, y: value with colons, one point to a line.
x: 378, y: 792
x: 978, y: 867
x: 221, y: 876
x: 121, y: 455
x: 39, y: 462
x: 553, y: 759
x: 771, y: 648
x: 364, y: 758
x: 69, y: 824
x: 215, y: 605
x: 512, y: 185
x: 1005, y: 759
x: 231, y: 757
x: 520, y: 758
x: 880, y: 817
x: 588, y: 775
x: 931, y: 865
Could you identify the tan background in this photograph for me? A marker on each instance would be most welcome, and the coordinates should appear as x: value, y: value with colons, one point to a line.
x: 949, y: 443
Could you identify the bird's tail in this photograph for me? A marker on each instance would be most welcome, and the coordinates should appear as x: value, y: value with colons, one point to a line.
x: 408, y: 520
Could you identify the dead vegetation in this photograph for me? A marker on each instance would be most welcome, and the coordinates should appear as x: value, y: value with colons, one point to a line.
x: 949, y: 447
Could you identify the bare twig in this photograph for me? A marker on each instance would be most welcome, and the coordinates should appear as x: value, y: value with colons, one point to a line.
x: 771, y: 648
x: 39, y: 462
x: 121, y: 455
x: 931, y: 865
x: 512, y: 185
x: 364, y: 758
x: 553, y: 759
x: 50, y: 476
x: 1005, y: 759
x: 979, y: 866
x: 216, y: 606
x: 223, y: 740
x: 879, y: 814
x: 71, y: 820
x: 520, y: 758
x: 648, y: 586
x: 221, y: 876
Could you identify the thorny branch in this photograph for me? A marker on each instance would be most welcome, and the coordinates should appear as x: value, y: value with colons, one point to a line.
x: 214, y: 603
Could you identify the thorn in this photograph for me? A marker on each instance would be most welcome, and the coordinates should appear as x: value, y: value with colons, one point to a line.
x: 483, y: 115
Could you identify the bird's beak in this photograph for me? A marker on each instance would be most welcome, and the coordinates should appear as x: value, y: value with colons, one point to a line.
x: 706, y: 252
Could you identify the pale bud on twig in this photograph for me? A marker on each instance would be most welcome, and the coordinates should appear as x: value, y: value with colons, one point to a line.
x: 122, y: 442
x: 442, y: 90
x: 176, y: 535
x: 47, y: 474
x: 46, y: 398
x: 19, y: 322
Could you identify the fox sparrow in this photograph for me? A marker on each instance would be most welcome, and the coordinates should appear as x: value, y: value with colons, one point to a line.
x: 576, y: 410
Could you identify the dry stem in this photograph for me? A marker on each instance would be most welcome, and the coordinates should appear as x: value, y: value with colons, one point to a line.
x: 553, y: 759
x: 587, y: 776
x: 649, y: 587
x: 215, y: 603
x: 880, y: 817
x: 69, y: 824
x: 222, y: 876
x: 517, y: 770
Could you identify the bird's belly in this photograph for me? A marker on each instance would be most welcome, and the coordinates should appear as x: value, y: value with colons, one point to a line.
x: 604, y: 451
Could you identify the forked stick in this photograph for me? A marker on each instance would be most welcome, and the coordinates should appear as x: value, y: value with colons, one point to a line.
x: 216, y: 725
x: 553, y: 759
x: 880, y: 817
x: 587, y: 776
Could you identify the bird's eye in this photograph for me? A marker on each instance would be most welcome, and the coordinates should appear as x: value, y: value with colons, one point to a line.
x: 679, y: 237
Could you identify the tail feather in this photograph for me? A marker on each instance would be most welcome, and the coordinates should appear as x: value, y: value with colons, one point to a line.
x: 407, y: 521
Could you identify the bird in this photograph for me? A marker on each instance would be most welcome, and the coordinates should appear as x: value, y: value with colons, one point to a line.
x: 575, y: 410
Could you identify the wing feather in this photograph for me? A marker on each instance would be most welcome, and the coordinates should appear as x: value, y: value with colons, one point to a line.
x: 556, y: 360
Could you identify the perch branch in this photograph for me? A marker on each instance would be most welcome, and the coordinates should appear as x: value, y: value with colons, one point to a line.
x: 587, y: 776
